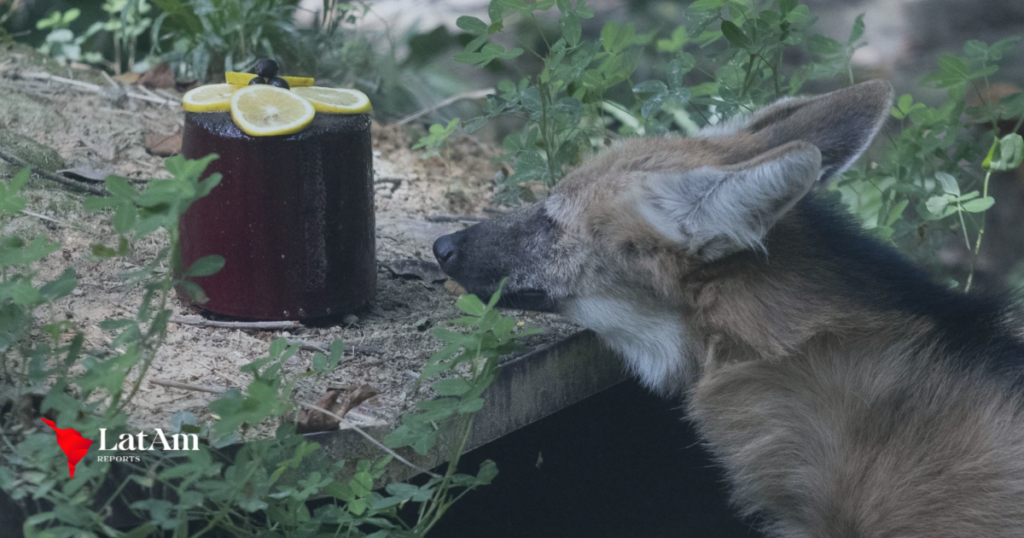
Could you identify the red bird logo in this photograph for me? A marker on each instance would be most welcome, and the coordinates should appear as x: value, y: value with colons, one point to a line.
x: 72, y: 443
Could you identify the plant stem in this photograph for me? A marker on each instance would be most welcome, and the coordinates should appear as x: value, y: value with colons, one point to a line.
x: 148, y: 348
x: 439, y: 506
x: 542, y: 90
x: 981, y: 234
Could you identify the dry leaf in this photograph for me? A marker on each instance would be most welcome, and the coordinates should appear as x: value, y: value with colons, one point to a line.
x: 454, y: 288
x: 412, y: 267
x: 128, y: 78
x: 355, y: 396
x: 163, y: 145
x: 160, y: 76
x: 312, y: 420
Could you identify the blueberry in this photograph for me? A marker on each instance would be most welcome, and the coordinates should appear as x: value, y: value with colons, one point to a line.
x: 258, y: 80
x: 279, y: 82
x: 266, y: 68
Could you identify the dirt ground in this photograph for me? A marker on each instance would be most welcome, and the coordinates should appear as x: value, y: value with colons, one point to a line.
x: 105, y: 129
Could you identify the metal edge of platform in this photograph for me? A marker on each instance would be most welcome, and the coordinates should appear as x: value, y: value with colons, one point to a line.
x: 528, y: 388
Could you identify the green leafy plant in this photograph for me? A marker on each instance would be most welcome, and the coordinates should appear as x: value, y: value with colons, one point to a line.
x: 19, y: 296
x: 7, y: 11
x: 437, y: 140
x: 927, y: 182
x: 258, y: 487
x: 127, y: 21
x: 61, y: 43
x: 208, y: 37
x: 584, y: 93
x: 470, y: 361
x: 931, y: 180
x: 562, y: 104
x: 204, y: 38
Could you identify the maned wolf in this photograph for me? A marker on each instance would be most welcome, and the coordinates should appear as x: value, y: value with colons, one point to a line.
x: 845, y: 393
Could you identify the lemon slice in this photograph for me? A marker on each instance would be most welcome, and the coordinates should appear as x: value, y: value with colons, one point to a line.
x: 242, y: 79
x: 269, y: 111
x: 209, y: 98
x: 337, y: 100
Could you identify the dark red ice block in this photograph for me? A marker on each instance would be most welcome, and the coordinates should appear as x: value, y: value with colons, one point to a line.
x: 292, y: 217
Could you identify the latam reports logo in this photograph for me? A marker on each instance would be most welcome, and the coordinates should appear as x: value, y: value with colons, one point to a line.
x: 75, y: 446
x: 72, y: 443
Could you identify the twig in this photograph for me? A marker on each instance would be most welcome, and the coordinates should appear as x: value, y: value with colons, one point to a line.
x: 41, y: 216
x: 364, y: 349
x: 110, y: 79
x: 475, y: 94
x: 309, y: 346
x: 70, y: 82
x: 94, y: 88
x: 185, y: 386
x: 361, y: 349
x: 200, y: 322
x: 390, y: 179
x: 392, y: 453
x: 153, y: 94
x: 454, y: 218
x: 17, y: 161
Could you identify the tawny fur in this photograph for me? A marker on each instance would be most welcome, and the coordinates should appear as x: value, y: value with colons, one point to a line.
x: 836, y: 411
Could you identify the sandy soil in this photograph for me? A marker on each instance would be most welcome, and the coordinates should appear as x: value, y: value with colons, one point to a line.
x: 391, y: 338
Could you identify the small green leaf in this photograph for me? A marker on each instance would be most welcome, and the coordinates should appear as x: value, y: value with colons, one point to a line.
x: 471, y: 406
x: 572, y: 30
x: 735, y: 35
x: 905, y: 102
x: 124, y: 217
x: 676, y: 42
x: 949, y: 183
x: 954, y: 66
x: 799, y: 14
x: 650, y: 86
x: 896, y: 212
x: 472, y: 25
x: 707, y: 5
x: 471, y: 305
x: 488, y: 471
x: 452, y: 387
x: 979, y: 205
x: 652, y: 105
x: 206, y: 266
x: 60, y: 287
x: 103, y: 251
x: 858, y: 30
x: 937, y: 204
x: 119, y: 188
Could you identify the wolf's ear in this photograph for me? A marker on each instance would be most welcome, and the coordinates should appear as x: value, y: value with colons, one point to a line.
x: 714, y: 211
x: 842, y: 123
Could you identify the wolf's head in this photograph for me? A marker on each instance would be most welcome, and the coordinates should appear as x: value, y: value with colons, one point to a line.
x: 613, y: 245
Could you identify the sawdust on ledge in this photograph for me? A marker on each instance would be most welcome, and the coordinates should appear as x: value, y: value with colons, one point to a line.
x: 391, y: 337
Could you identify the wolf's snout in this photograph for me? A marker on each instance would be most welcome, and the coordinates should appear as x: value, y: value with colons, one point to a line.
x: 444, y: 251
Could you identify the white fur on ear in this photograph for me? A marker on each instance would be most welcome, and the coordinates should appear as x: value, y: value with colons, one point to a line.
x: 716, y: 211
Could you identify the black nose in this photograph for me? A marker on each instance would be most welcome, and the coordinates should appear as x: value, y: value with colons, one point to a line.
x: 444, y: 251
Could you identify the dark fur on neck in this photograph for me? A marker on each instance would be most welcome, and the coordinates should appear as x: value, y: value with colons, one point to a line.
x: 822, y: 273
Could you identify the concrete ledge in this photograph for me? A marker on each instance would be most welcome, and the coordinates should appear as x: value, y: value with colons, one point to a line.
x: 529, y: 388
